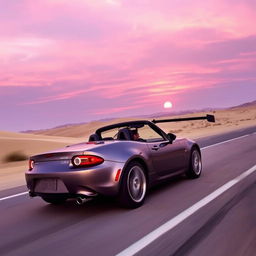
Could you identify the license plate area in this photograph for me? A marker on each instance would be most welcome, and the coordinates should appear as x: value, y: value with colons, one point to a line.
x: 50, y: 185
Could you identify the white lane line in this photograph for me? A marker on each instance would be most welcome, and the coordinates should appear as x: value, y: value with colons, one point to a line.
x: 225, y: 141
x: 167, y: 226
x: 8, y: 197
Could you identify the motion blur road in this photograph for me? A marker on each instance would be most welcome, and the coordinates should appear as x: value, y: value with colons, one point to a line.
x: 226, y: 225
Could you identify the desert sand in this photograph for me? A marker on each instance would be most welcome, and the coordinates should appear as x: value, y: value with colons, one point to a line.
x: 12, y: 174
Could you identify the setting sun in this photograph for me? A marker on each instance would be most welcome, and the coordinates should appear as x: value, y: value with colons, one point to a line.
x: 167, y: 104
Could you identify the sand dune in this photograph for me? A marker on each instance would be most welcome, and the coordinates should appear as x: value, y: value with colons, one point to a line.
x: 226, y: 120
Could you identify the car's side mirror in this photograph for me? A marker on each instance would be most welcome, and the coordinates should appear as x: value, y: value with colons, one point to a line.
x: 171, y: 137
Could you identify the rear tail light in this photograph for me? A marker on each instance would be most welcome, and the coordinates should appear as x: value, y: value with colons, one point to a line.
x: 31, y: 165
x: 86, y: 160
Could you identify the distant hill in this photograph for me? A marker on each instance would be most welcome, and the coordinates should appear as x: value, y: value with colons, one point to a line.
x: 85, y: 128
x: 149, y: 116
x: 247, y: 104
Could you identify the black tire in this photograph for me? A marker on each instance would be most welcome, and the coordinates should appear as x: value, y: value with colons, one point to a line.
x: 195, y: 164
x: 133, y: 186
x: 54, y: 200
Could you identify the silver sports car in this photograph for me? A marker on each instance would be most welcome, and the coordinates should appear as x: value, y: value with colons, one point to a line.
x: 122, y: 160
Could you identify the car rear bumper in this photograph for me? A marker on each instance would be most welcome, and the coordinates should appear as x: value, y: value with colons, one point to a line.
x: 44, y: 179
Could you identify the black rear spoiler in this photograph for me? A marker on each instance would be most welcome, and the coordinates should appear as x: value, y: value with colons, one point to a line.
x: 209, y: 118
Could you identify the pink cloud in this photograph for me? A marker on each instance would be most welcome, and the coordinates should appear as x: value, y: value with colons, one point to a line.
x: 117, y: 52
x: 113, y: 110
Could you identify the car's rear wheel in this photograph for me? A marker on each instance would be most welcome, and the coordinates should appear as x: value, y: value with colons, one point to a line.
x: 195, y: 164
x: 133, y: 186
x: 54, y: 200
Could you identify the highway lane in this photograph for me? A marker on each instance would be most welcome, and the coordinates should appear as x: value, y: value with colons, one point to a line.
x: 29, y: 226
x: 225, y: 136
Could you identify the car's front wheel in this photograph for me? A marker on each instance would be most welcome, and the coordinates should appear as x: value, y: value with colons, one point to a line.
x: 54, y: 200
x: 133, y: 186
x: 195, y: 164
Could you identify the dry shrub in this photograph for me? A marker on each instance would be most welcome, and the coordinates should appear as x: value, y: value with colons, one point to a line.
x: 15, y: 156
x: 176, y: 131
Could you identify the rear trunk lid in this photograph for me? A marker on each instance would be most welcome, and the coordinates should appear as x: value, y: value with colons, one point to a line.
x: 68, y: 152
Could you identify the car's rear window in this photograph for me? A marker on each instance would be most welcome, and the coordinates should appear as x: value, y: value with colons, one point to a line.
x: 146, y: 134
x: 110, y: 134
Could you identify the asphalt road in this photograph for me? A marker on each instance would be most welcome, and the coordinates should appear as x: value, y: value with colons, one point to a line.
x: 225, y: 225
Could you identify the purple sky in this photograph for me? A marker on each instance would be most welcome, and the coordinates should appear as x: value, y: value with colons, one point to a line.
x: 74, y: 61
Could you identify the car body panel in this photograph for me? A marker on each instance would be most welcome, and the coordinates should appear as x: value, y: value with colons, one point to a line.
x: 168, y: 158
x: 54, y: 173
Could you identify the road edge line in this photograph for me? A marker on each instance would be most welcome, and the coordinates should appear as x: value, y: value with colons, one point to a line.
x: 169, y: 225
x: 225, y: 141
x: 8, y: 197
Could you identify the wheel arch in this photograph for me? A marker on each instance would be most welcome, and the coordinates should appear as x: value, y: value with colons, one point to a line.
x: 124, y: 196
x: 196, y: 146
x: 190, y: 173
x: 141, y: 161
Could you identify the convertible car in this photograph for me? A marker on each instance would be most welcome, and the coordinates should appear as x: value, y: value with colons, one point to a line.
x: 122, y: 160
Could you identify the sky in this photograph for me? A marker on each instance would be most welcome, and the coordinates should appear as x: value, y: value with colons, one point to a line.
x: 65, y: 61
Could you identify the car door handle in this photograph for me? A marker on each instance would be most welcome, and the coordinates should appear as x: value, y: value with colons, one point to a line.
x: 155, y: 147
